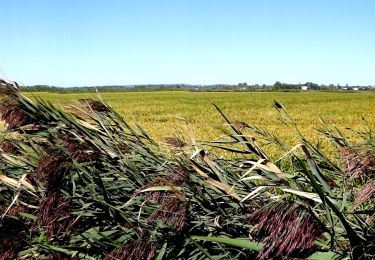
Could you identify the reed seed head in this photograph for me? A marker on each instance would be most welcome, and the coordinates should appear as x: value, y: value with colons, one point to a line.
x: 286, y: 228
x: 12, y: 114
x: 79, y: 151
x: 53, y: 215
x: 94, y: 105
x: 174, y: 142
x: 52, y: 168
x: 358, y: 162
x: 367, y: 193
x: 8, y: 147
x: 134, y: 250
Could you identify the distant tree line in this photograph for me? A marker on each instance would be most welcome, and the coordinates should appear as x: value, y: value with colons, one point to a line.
x: 243, y: 86
x: 285, y: 86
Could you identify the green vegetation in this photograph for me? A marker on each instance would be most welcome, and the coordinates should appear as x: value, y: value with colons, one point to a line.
x: 90, y: 185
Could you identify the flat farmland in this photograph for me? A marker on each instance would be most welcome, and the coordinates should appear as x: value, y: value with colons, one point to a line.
x: 160, y: 112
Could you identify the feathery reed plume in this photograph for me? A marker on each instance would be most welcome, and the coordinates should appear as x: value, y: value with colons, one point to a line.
x: 158, y: 196
x: 53, y: 215
x: 8, y: 88
x: 79, y: 151
x: 179, y: 175
x: 52, y: 168
x: 170, y: 211
x: 365, y: 194
x: 241, y: 125
x: 9, y: 249
x: 11, y: 240
x: 15, y: 210
x: 123, y: 148
x: 59, y: 256
x: 12, y: 114
x: 171, y: 208
x: 134, y: 250
x: 94, y: 105
x: 8, y: 147
x: 155, y: 196
x: 358, y: 162
x: 174, y: 141
x: 286, y: 228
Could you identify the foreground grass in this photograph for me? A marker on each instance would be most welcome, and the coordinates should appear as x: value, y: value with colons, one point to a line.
x: 159, y: 112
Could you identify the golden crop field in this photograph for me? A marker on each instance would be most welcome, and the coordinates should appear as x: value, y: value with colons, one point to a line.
x: 159, y: 112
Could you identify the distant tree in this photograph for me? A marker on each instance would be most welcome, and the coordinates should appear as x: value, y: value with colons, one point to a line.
x: 242, y: 85
x: 312, y: 85
x: 277, y: 85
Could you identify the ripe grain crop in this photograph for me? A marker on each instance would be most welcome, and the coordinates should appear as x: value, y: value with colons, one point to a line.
x: 161, y: 112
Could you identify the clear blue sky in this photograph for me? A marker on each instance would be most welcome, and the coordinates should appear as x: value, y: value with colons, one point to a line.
x: 87, y: 42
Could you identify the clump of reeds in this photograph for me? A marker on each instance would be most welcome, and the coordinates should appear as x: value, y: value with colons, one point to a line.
x: 95, y: 187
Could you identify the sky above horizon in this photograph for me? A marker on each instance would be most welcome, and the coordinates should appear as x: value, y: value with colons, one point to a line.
x: 90, y: 42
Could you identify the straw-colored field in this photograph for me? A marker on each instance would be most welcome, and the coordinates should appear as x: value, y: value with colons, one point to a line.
x: 158, y: 112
